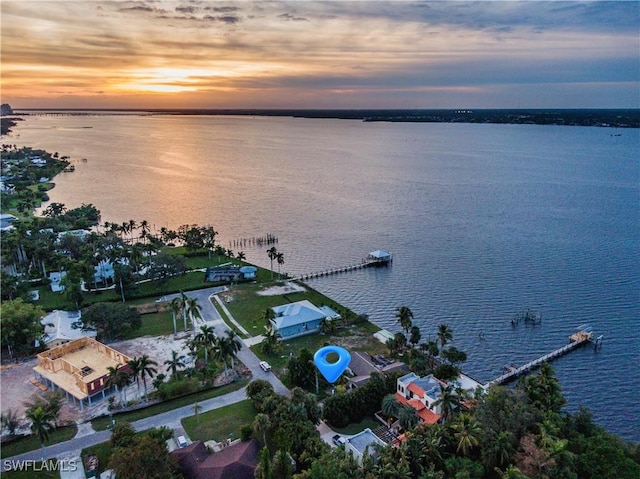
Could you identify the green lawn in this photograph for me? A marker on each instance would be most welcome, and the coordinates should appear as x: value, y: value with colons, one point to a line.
x: 356, y: 427
x: 220, y: 423
x: 102, y: 423
x: 248, y: 308
x: 155, y: 324
x: 31, y: 442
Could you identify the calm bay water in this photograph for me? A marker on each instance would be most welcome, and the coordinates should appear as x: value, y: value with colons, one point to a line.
x: 484, y: 221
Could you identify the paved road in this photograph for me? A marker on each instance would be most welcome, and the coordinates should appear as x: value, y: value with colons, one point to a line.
x: 172, y: 418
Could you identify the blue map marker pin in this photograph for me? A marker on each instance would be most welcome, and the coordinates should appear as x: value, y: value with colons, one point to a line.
x: 332, y: 371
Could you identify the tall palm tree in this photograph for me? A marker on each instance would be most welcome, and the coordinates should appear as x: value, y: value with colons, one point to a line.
x: 176, y: 309
x: 134, y: 366
x: 415, y: 335
x: 390, y: 406
x: 261, y: 424
x: 404, y: 316
x: 222, y: 352
x: 146, y: 366
x: 173, y: 364
x: 182, y: 301
x: 272, y: 253
x: 41, y: 425
x: 235, y: 345
x: 466, y: 430
x: 268, y: 315
x: 445, y: 334
x: 194, y: 312
x: 280, y: 261
x: 206, y: 338
x: 448, y: 401
x: 120, y: 379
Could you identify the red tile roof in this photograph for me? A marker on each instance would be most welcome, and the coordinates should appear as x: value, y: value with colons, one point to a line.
x: 415, y: 389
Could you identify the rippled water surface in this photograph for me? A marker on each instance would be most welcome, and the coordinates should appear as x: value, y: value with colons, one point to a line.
x: 483, y: 220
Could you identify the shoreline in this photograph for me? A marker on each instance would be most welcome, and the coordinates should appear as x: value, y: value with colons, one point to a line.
x: 605, y: 118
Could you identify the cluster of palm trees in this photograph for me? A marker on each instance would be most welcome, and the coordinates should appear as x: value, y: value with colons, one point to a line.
x: 137, y: 369
x: 224, y: 348
x: 184, y: 306
x: 274, y: 254
x: 404, y: 317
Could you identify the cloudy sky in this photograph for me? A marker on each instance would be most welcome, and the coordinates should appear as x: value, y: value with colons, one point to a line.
x: 304, y: 54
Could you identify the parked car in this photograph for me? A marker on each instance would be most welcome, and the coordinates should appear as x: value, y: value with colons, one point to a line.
x: 338, y: 440
x: 182, y: 441
x: 265, y: 366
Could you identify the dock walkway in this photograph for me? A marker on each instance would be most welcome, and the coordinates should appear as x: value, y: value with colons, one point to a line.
x: 577, y: 339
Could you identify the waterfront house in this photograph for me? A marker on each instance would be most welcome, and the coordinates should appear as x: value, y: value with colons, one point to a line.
x: 79, y: 368
x: 228, y: 273
x: 61, y: 327
x: 363, y: 444
x: 297, y: 319
x: 421, y: 394
x: 363, y: 364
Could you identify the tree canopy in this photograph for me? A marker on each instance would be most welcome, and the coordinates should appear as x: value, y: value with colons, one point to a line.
x: 111, y: 320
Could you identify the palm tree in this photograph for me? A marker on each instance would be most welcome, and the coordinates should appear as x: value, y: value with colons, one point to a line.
x: 272, y: 253
x: 268, y: 315
x: 415, y: 335
x: 176, y: 361
x: 222, y: 350
x: 134, y: 366
x: 120, y: 379
x: 182, y: 301
x: 466, y: 431
x: 404, y: 316
x: 241, y: 256
x: 280, y: 261
x: 448, y: 401
x: 234, y: 345
x: 10, y: 421
x: 176, y: 308
x: 206, y: 338
x: 196, y: 409
x: 390, y: 406
x: 445, y: 334
x: 193, y: 310
x: 261, y: 424
x: 407, y: 417
x: 41, y: 425
x: 146, y: 368
x: 144, y: 227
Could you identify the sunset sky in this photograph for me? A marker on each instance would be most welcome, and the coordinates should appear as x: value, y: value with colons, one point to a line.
x: 302, y: 54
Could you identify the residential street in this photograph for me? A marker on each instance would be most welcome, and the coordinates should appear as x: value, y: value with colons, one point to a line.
x: 171, y: 418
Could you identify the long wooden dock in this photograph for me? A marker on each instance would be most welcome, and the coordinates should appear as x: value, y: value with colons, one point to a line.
x: 365, y: 263
x: 576, y: 340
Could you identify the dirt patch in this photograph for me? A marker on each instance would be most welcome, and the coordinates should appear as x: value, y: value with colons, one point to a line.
x: 16, y: 385
x: 288, y: 287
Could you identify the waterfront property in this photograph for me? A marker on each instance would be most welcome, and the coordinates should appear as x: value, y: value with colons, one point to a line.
x: 297, y: 319
x: 422, y: 395
x: 363, y: 364
x: 79, y: 368
x: 228, y: 273
x: 61, y: 327
x: 362, y: 444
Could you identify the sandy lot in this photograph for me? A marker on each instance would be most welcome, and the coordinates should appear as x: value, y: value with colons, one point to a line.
x: 288, y: 287
x: 15, y: 387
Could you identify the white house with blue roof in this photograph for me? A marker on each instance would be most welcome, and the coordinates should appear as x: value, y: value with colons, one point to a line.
x: 297, y: 319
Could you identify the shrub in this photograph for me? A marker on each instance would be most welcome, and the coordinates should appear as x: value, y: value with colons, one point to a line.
x: 246, y: 432
x: 175, y: 388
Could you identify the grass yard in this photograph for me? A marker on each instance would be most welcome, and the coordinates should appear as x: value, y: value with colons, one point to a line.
x: 219, y: 424
x: 154, y: 324
x: 104, y: 422
x: 356, y: 427
x: 248, y: 308
x: 31, y: 442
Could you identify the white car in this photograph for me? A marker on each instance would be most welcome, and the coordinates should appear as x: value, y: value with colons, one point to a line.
x: 182, y: 441
x: 265, y: 366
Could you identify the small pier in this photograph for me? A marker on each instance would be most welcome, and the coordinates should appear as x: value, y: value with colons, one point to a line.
x: 582, y: 336
x: 375, y: 258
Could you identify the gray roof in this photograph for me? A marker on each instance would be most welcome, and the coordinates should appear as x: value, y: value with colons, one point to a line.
x: 293, y: 314
x: 58, y: 325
